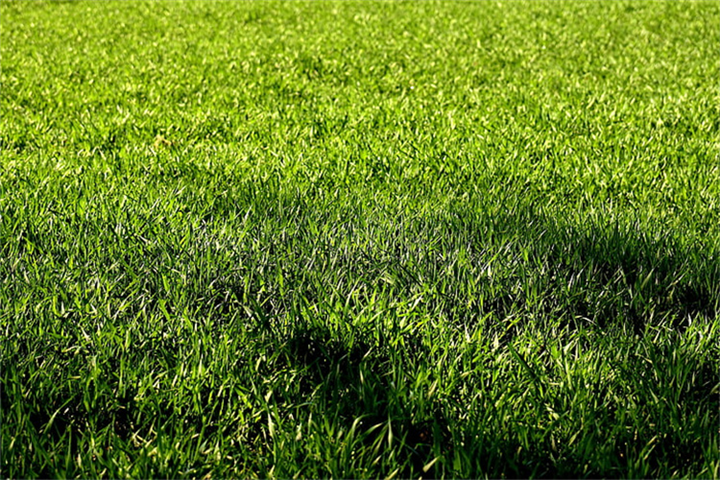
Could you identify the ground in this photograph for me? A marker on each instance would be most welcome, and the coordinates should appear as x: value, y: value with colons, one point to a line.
x: 360, y: 239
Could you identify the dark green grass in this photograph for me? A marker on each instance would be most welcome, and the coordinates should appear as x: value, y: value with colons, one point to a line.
x: 360, y: 239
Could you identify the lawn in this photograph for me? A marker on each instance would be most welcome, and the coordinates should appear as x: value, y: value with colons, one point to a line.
x: 360, y: 239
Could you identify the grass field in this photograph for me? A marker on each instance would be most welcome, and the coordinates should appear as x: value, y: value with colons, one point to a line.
x: 360, y: 239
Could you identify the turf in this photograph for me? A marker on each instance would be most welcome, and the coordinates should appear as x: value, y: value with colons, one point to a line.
x: 360, y: 239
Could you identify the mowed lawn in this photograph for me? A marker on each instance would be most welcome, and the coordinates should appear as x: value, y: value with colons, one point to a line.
x: 360, y: 239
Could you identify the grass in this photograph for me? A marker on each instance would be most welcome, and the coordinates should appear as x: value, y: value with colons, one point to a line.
x: 360, y: 239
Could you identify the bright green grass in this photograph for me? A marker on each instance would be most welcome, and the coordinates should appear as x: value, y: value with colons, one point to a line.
x: 359, y: 239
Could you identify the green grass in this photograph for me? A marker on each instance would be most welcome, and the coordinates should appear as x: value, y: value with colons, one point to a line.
x: 360, y: 239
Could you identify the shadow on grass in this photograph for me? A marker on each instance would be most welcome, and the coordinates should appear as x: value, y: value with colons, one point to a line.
x: 460, y: 268
x: 607, y: 278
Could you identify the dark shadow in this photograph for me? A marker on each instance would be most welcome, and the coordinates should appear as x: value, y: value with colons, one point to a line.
x: 353, y: 381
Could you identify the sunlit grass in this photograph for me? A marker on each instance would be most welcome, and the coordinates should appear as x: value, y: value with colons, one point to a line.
x: 360, y: 239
